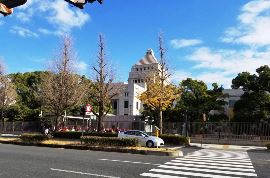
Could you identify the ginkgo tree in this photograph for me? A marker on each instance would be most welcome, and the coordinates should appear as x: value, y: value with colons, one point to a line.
x: 160, y: 93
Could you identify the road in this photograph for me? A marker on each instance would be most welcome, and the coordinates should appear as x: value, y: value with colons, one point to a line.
x: 27, y: 161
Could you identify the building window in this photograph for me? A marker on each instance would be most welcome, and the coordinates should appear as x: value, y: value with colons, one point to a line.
x: 126, y: 114
x: 148, y: 68
x: 115, y: 104
x: 135, y: 81
x: 137, y: 105
x: 140, y: 69
x: 126, y: 104
x: 142, y: 80
x: 139, y: 81
x: 137, y: 69
x: 126, y: 93
x: 144, y: 68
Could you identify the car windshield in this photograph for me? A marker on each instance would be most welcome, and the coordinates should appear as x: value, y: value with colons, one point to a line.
x: 144, y: 134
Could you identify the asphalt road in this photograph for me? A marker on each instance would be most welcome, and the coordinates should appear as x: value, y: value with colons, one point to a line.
x: 39, y: 162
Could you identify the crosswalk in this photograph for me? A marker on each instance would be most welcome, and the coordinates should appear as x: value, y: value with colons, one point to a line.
x: 206, y: 163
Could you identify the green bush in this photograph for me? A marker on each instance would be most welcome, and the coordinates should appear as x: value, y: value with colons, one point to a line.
x: 174, y: 139
x: 268, y: 146
x: 109, y: 141
x: 77, y: 135
x: 33, y: 138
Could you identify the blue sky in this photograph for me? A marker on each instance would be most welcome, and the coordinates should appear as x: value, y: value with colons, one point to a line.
x: 209, y: 40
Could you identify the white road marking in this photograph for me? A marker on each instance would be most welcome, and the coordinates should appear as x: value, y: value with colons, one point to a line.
x: 238, y: 173
x: 206, y: 163
x: 213, y: 161
x: 214, y: 164
x: 218, y: 157
x: 159, y: 175
x: 82, y: 173
x: 190, y: 173
x: 137, y: 162
x: 245, y: 169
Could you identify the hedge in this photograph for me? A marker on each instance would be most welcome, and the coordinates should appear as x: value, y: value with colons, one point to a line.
x: 174, y: 139
x: 32, y: 137
x: 268, y: 146
x: 109, y: 141
x: 77, y: 135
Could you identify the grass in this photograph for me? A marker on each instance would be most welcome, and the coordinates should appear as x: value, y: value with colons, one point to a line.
x: 61, y: 142
x: 9, y: 139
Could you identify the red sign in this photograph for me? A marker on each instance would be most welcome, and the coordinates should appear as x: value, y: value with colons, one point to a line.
x: 88, y: 108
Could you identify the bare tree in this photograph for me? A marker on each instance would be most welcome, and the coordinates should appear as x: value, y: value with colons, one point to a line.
x: 8, y: 93
x: 102, y: 90
x: 61, y: 87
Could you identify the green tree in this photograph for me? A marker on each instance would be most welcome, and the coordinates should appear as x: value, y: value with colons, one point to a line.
x: 28, y: 89
x: 197, y: 100
x: 254, y: 104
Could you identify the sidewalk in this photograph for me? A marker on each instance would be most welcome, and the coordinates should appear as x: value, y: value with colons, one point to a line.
x: 227, y: 147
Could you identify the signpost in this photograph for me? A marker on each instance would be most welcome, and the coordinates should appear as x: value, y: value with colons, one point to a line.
x: 85, y: 110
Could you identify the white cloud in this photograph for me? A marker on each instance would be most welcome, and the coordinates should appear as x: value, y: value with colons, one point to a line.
x: 81, y: 66
x: 180, y: 75
x: 253, y: 25
x: 215, y: 77
x: 24, y: 32
x: 251, y: 33
x: 61, y: 17
x: 181, y: 43
x: 223, y: 65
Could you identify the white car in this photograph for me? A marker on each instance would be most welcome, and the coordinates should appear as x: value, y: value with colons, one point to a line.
x: 144, y: 139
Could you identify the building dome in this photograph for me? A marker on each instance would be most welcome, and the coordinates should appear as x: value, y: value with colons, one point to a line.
x: 149, y: 58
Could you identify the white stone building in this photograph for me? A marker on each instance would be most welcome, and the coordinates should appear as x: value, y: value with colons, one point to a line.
x: 127, y: 103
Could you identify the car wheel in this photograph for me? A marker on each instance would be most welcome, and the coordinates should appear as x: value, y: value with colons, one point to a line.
x: 150, y: 144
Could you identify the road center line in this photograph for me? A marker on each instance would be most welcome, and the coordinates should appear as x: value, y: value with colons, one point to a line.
x: 82, y: 173
x: 115, y: 160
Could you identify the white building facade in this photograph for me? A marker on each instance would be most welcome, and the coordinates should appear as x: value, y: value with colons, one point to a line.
x: 127, y: 102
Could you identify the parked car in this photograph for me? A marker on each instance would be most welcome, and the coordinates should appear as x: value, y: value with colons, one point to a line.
x: 144, y: 138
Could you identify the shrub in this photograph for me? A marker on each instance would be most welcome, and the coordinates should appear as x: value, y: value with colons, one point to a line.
x: 109, y: 141
x: 33, y: 138
x: 268, y: 146
x: 174, y: 139
x: 77, y: 135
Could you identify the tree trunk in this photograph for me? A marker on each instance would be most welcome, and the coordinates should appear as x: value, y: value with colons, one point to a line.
x: 99, y: 126
x: 2, y: 119
x: 160, y: 122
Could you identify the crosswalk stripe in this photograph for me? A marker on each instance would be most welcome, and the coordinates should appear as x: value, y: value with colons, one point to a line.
x: 190, y: 173
x: 213, y: 167
x: 206, y: 163
x: 159, y: 175
x: 209, y: 170
x: 212, y: 161
x: 217, y: 164
x: 215, y: 153
x: 223, y: 157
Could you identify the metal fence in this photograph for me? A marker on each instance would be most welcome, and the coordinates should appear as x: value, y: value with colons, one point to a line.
x: 223, y: 132
x: 20, y: 126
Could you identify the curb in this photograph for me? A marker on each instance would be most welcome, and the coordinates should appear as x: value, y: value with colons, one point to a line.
x: 172, y: 153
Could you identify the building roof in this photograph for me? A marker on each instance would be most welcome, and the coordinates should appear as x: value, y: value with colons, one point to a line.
x: 149, y: 58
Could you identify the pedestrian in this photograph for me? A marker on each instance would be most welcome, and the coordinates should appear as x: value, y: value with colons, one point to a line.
x: 46, y: 131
